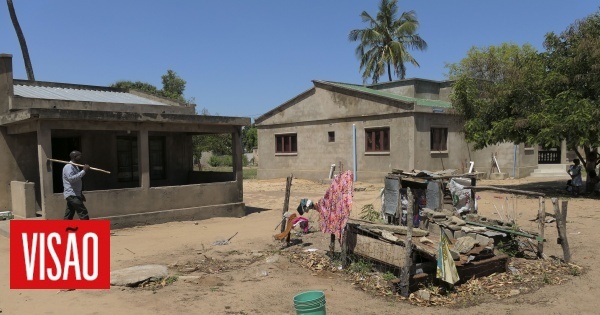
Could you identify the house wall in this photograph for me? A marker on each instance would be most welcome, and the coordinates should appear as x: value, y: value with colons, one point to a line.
x: 18, y: 162
x: 311, y: 117
x: 316, y: 154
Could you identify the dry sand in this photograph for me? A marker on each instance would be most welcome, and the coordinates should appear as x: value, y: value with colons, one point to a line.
x: 248, y: 276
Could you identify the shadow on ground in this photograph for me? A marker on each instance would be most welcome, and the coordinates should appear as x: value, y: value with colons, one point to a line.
x: 250, y: 210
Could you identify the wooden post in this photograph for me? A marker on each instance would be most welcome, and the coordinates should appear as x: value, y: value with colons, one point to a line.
x: 405, y: 271
x: 344, y: 253
x: 286, y: 202
x: 561, y: 226
x: 332, y: 244
x: 541, y: 226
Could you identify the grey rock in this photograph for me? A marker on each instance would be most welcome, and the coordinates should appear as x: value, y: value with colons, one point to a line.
x: 132, y: 276
x: 464, y: 244
x: 455, y: 254
x: 483, y: 240
x: 459, y: 234
x: 423, y: 295
x: 272, y: 259
x: 514, y: 292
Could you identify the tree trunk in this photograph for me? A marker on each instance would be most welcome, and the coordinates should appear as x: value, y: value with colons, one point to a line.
x: 389, y: 72
x: 591, y: 178
x: 24, y: 50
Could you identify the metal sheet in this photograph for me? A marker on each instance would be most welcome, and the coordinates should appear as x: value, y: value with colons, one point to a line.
x: 391, y: 195
x: 66, y: 94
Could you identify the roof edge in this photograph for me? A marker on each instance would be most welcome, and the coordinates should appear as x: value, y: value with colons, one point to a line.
x: 68, y: 86
x: 281, y: 107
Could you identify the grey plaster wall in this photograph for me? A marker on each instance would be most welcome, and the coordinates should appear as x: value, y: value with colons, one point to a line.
x: 320, y: 105
x: 129, y: 201
x: 316, y: 154
x: 18, y: 162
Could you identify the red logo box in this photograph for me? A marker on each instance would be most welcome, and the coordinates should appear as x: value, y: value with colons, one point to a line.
x: 59, y: 254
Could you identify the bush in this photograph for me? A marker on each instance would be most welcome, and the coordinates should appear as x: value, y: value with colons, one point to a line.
x: 222, y: 160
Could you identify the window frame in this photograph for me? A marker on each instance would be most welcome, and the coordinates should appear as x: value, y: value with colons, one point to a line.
x: 331, y: 136
x: 432, y: 147
x: 134, y: 160
x: 292, y: 143
x: 384, y: 140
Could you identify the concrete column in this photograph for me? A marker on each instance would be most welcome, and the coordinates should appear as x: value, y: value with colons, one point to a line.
x: 237, y: 160
x: 563, y: 152
x: 44, y: 143
x: 144, y: 158
x: 6, y: 82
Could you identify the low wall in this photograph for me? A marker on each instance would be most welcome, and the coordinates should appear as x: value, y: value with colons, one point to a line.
x: 190, y: 199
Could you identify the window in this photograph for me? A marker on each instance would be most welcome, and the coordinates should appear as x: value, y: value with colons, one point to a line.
x: 439, y: 139
x: 127, y: 159
x: 156, y: 150
x: 286, y: 143
x: 377, y: 140
x: 331, y: 135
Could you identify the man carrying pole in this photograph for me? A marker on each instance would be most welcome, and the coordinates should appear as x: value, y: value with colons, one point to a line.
x: 73, y: 185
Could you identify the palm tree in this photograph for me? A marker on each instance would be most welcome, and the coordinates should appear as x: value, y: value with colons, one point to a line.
x: 24, y: 51
x: 385, y: 43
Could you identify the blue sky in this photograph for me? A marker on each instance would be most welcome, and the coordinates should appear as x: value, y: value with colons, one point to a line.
x: 242, y: 57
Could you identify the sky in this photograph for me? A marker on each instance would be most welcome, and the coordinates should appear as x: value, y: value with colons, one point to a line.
x: 245, y: 57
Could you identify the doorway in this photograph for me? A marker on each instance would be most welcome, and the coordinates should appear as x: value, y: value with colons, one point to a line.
x: 61, y: 148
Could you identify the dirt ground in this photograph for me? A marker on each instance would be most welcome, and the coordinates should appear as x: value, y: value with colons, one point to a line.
x: 251, y: 275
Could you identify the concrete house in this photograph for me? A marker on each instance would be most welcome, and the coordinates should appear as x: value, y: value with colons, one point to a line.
x: 143, y: 140
x: 406, y: 124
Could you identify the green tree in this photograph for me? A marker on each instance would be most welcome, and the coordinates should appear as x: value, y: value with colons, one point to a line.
x: 496, y: 89
x: 173, y: 86
x: 385, y: 43
x: 22, y: 42
x: 249, y: 138
x: 511, y: 93
x: 137, y: 85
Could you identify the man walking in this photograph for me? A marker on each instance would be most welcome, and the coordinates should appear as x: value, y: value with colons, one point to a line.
x: 72, y: 185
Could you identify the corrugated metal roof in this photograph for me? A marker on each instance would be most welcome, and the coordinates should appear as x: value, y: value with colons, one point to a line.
x: 418, y: 101
x: 66, y: 94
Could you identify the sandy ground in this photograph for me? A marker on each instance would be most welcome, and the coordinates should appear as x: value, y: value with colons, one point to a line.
x: 248, y: 276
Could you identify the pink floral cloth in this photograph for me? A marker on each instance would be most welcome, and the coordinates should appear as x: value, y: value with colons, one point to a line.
x: 334, y: 208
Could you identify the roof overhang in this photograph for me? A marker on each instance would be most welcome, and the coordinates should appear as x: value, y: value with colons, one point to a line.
x: 31, y: 114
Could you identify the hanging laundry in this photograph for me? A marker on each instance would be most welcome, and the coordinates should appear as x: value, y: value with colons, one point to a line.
x: 446, y: 268
x: 305, y: 205
x: 302, y: 222
x: 334, y: 208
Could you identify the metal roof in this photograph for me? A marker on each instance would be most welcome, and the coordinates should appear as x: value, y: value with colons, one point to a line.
x: 418, y: 101
x: 67, y: 94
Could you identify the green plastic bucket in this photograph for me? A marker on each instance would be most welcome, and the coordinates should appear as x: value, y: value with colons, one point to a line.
x: 310, y: 303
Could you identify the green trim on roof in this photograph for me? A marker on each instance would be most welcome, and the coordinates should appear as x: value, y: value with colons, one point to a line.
x: 418, y: 101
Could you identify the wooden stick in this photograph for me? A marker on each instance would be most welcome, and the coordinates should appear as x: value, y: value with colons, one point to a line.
x: 80, y: 165
x: 405, y: 271
x: 515, y: 191
x: 561, y: 226
x: 541, y: 224
x: 286, y: 201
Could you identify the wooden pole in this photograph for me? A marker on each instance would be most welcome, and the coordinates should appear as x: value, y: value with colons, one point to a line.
x: 561, y: 226
x: 541, y: 226
x: 405, y: 272
x: 286, y: 202
x: 515, y: 191
x: 80, y: 165
x: 332, y: 244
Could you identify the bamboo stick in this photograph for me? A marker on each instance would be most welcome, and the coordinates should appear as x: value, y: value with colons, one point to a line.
x: 80, y: 165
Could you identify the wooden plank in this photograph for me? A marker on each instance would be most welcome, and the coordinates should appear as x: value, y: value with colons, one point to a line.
x: 561, y: 226
x: 376, y: 249
x: 482, y: 268
x: 399, y: 229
